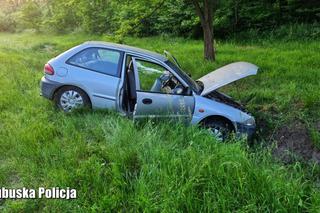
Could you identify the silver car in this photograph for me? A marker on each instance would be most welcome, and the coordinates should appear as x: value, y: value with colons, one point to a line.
x: 143, y: 84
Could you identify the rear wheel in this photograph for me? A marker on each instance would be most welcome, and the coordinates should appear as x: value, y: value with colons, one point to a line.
x: 69, y: 98
x: 218, y: 128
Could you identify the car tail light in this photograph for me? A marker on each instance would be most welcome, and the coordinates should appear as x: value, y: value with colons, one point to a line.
x: 48, y: 69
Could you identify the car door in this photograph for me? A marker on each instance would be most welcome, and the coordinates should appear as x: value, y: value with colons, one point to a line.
x: 154, y: 101
x: 97, y: 70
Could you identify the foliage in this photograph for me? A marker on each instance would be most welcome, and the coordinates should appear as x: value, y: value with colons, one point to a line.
x: 156, y: 17
x: 99, y: 21
x: 29, y: 16
x: 7, y: 22
x: 117, y: 165
x: 61, y: 16
x: 233, y: 16
x: 177, y: 18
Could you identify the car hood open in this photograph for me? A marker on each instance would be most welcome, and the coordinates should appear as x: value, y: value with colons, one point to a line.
x: 227, y: 74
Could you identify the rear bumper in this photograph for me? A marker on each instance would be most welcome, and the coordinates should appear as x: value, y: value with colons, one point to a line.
x: 245, y: 131
x: 48, y: 87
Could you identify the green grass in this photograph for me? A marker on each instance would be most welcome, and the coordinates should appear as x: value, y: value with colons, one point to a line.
x: 117, y: 165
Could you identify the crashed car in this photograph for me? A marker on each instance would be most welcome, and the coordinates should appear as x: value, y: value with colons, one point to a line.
x: 143, y: 84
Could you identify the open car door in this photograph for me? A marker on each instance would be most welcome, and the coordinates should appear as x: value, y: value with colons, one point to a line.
x: 155, y: 100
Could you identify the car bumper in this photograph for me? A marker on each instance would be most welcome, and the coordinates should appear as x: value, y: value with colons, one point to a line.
x: 245, y: 130
x: 48, y: 87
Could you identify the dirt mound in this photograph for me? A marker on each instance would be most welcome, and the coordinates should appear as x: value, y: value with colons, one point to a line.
x: 294, y: 143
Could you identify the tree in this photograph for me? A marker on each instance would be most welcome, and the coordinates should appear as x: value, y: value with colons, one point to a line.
x: 29, y: 16
x: 204, y: 9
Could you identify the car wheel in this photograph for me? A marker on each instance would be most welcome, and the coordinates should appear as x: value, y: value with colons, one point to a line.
x: 219, y: 129
x: 69, y: 98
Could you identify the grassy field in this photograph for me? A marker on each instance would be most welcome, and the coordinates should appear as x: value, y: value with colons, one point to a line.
x: 117, y: 165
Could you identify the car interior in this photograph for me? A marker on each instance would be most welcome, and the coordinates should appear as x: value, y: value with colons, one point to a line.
x: 165, y: 83
x: 130, y: 93
x: 95, y: 59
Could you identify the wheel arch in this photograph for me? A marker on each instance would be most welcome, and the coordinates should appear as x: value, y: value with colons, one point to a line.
x: 70, y: 85
x: 220, y: 118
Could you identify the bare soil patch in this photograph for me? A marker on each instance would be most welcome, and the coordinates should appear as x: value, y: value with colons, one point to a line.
x: 293, y: 142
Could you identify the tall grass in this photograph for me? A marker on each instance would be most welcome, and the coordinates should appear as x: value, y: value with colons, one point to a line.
x: 117, y: 165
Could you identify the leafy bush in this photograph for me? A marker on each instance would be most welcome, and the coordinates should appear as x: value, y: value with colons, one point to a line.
x: 7, y: 23
x: 284, y: 32
x: 29, y: 16
x: 157, y: 17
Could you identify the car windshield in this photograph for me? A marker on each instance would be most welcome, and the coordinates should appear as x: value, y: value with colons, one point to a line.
x: 193, y: 84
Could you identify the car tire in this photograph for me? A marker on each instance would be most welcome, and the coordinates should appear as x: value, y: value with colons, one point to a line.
x: 69, y: 98
x: 219, y: 128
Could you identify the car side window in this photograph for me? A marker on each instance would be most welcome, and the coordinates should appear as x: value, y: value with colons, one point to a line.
x: 154, y: 77
x: 98, y: 59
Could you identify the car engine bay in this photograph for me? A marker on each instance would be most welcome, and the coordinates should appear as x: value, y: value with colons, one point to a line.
x: 220, y: 97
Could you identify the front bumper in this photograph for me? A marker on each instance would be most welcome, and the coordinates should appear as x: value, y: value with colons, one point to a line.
x: 48, y: 87
x: 245, y: 130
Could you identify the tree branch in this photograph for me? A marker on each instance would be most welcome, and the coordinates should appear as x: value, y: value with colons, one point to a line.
x: 199, y: 11
x: 147, y: 16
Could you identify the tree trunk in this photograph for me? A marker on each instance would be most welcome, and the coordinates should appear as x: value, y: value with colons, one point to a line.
x: 206, y: 15
x: 209, y: 52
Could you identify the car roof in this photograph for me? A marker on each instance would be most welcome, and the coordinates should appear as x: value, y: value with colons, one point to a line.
x: 127, y: 48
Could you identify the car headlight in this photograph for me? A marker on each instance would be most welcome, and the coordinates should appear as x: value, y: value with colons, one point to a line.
x: 250, y: 122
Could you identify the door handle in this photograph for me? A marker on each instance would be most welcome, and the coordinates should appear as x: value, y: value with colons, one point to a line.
x: 147, y: 101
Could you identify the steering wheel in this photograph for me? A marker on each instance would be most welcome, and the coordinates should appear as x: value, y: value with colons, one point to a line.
x: 178, y: 90
x: 165, y: 79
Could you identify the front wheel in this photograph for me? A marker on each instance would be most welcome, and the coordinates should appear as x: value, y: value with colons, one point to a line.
x: 69, y: 98
x: 219, y: 129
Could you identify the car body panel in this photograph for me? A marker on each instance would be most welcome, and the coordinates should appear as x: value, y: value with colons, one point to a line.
x: 214, y: 108
x: 101, y: 87
x: 48, y: 87
x: 226, y: 75
x: 177, y: 107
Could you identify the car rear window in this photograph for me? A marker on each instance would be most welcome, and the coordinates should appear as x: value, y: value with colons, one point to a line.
x: 98, y: 59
